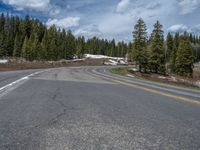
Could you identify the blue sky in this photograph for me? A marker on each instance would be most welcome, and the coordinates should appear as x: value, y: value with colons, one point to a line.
x: 109, y: 18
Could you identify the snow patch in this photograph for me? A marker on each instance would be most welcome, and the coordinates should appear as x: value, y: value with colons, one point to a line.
x: 174, y: 79
x: 162, y: 77
x: 122, y: 62
x: 134, y: 69
x: 101, y: 57
x: 111, y: 62
x: 74, y: 60
x: 3, y: 61
x: 197, y: 83
x: 129, y: 75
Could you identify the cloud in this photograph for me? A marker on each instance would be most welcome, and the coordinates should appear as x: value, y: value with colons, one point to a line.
x: 88, y: 31
x: 182, y: 28
x: 38, y: 5
x: 116, y: 24
x: 122, y: 6
x: 65, y: 22
x: 188, y: 6
x: 154, y: 5
x: 196, y: 29
x: 178, y: 28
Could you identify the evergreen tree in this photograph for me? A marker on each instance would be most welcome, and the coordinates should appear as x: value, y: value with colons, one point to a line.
x: 2, y: 23
x: 140, y: 43
x: 17, y: 46
x: 170, y: 46
x: 3, y: 51
x: 26, y: 49
x: 36, y: 48
x: 80, y: 49
x: 26, y: 27
x: 70, y: 43
x: 52, y: 45
x: 171, y: 52
x: 184, y: 59
x: 44, y: 47
x: 176, y: 41
x: 157, y: 54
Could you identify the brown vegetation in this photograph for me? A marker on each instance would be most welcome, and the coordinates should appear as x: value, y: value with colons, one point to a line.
x: 20, y: 64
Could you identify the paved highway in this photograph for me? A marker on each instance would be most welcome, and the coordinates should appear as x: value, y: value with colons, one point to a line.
x: 85, y: 108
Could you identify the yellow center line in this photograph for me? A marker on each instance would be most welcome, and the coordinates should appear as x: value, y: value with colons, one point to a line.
x: 188, y: 100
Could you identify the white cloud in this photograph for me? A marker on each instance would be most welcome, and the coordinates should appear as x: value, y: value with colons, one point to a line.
x: 196, y: 29
x: 178, y: 28
x: 39, y: 5
x: 122, y: 6
x: 65, y: 22
x: 88, y: 31
x: 153, y: 5
x: 118, y: 26
x: 182, y: 28
x: 188, y: 6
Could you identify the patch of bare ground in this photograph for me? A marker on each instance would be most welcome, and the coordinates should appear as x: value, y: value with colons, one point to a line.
x: 20, y: 64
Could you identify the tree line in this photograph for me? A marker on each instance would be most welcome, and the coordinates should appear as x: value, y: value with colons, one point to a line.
x: 31, y: 39
x: 176, y: 54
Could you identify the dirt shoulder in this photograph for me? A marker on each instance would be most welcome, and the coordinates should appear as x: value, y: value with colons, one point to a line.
x: 19, y: 64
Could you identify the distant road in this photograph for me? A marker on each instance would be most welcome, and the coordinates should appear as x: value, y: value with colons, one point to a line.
x: 81, y: 108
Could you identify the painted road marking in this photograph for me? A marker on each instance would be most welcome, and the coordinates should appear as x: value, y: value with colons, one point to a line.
x: 10, y: 85
x: 188, y: 100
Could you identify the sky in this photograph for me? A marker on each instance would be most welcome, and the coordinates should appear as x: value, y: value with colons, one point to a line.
x: 109, y: 18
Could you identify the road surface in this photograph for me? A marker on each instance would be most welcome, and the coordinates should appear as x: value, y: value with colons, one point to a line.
x: 85, y: 108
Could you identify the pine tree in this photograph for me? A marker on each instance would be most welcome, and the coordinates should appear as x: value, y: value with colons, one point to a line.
x: 157, y: 54
x: 112, y: 48
x: 80, y: 49
x: 171, y: 52
x: 2, y: 23
x: 176, y: 41
x: 36, y: 48
x: 140, y: 43
x: 26, y: 49
x: 17, y: 46
x: 44, y: 47
x: 170, y: 46
x: 3, y: 52
x: 26, y: 27
x: 71, y: 47
x: 184, y: 59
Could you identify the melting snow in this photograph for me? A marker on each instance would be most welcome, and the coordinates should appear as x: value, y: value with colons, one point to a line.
x: 197, y: 83
x: 3, y: 61
x: 101, y: 57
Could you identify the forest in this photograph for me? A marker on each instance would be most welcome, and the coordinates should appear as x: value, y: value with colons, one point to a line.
x: 31, y: 39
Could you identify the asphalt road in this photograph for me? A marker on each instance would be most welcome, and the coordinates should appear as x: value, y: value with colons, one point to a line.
x: 89, y: 108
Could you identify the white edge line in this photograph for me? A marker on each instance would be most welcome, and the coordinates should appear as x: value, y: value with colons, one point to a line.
x: 20, y: 80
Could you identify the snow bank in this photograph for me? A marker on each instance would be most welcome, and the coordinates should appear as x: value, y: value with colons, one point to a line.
x: 197, y: 83
x: 3, y: 61
x: 101, y: 57
x: 130, y: 75
x: 111, y: 62
x: 134, y: 69
x: 162, y: 77
x: 74, y: 60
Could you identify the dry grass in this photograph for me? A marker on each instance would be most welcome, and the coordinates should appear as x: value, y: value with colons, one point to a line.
x: 169, y: 79
x: 20, y: 64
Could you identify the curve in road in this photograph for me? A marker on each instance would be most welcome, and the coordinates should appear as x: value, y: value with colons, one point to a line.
x: 73, y: 108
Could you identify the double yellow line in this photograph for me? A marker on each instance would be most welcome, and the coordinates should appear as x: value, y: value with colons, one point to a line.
x: 174, y: 97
